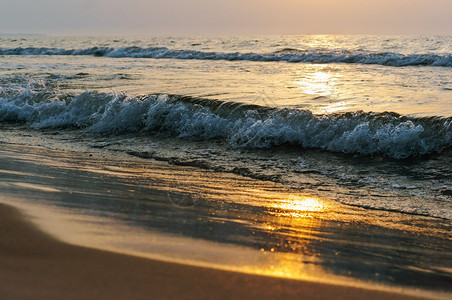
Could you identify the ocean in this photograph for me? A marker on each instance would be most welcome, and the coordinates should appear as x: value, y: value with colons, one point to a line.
x: 262, y: 127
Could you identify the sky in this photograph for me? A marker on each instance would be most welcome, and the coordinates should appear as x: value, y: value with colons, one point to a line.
x: 197, y: 17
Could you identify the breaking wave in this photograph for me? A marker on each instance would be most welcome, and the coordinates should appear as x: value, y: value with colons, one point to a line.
x: 238, y: 124
x: 286, y: 55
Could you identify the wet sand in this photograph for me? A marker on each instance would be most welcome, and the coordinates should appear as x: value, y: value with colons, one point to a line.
x: 36, y: 266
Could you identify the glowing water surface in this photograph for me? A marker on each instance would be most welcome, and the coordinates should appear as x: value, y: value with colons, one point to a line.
x: 218, y: 220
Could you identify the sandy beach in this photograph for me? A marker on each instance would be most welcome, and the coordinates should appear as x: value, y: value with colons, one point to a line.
x: 233, y: 150
x: 59, y: 218
x: 36, y: 266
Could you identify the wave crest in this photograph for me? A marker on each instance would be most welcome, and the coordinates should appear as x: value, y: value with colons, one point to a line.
x: 286, y: 55
x: 238, y: 124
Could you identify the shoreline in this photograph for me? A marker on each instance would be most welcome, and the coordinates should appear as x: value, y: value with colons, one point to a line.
x: 93, y: 202
x: 35, y: 265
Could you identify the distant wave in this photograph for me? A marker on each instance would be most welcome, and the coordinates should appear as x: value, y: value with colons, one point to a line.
x: 240, y: 125
x: 287, y: 55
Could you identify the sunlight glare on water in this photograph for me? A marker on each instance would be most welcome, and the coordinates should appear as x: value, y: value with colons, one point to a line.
x: 297, y: 204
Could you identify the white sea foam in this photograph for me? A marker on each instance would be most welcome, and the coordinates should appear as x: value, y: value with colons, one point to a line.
x: 240, y: 125
x: 293, y: 56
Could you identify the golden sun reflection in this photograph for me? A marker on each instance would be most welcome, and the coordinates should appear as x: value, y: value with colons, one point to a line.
x: 334, y: 107
x: 299, y: 205
x: 318, y: 83
x: 323, y: 86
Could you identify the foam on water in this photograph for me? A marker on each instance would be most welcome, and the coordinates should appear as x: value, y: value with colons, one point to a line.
x: 240, y: 125
x: 320, y: 131
x: 285, y: 55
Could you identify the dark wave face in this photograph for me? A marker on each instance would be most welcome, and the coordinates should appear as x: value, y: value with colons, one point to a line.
x: 285, y: 55
x: 334, y: 149
x: 240, y: 125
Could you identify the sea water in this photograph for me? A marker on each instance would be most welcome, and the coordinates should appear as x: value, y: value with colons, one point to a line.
x: 365, y: 121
